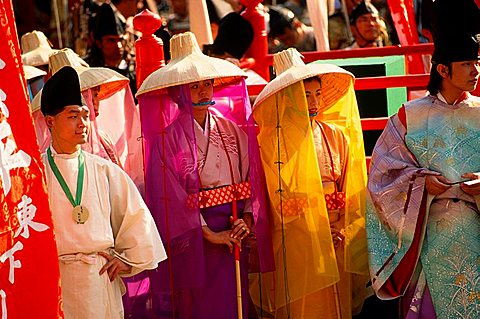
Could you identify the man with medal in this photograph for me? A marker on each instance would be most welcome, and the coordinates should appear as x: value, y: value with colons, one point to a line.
x: 106, y: 230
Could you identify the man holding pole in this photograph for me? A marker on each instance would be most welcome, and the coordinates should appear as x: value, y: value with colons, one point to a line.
x: 198, y: 163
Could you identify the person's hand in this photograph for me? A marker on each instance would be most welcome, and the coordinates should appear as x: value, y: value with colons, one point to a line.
x: 473, y: 189
x: 114, y: 266
x: 436, y: 184
x: 338, y: 237
x: 240, y: 229
x: 221, y: 238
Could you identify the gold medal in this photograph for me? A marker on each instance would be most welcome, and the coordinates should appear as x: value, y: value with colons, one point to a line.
x: 80, y: 214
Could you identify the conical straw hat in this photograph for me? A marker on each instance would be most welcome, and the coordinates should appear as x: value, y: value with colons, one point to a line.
x: 32, y: 72
x: 291, y: 69
x: 110, y: 82
x: 35, y: 48
x: 188, y: 64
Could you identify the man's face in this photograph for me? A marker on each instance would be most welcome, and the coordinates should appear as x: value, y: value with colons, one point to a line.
x: 112, y: 47
x: 368, y: 26
x: 464, y: 75
x: 201, y: 91
x: 70, y: 127
x: 290, y: 37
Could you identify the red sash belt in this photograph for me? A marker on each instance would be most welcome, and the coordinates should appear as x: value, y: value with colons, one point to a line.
x: 297, y: 205
x: 335, y: 200
x: 219, y: 196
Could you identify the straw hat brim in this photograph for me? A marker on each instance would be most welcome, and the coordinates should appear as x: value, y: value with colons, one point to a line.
x: 36, y: 102
x: 32, y: 72
x: 110, y: 82
x: 38, y: 56
x: 192, y: 68
x: 335, y: 81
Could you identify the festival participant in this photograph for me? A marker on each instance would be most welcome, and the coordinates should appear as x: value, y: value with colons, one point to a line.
x: 424, y: 224
x: 198, y: 165
x: 103, y: 232
x: 312, y: 152
x: 113, y: 136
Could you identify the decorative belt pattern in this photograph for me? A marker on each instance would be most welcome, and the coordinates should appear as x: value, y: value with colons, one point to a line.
x: 219, y: 196
x: 297, y: 205
x: 294, y: 206
x: 335, y: 200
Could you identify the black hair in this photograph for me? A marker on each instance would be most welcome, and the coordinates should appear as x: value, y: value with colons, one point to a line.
x: 435, y: 82
x: 280, y: 19
x: 313, y: 78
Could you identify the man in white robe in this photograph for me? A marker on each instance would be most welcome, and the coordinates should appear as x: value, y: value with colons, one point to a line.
x: 104, y: 234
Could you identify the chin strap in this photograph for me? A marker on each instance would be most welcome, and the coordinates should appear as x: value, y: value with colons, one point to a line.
x: 204, y: 103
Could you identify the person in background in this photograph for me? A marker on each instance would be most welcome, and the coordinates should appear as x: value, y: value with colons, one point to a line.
x: 287, y: 31
x: 368, y: 29
x: 108, y: 49
x: 234, y: 37
x: 103, y: 232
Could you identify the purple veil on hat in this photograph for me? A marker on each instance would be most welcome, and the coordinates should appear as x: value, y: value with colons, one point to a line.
x: 171, y: 175
x: 179, y: 287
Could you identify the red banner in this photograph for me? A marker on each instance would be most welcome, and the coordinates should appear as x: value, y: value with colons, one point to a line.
x: 29, y: 274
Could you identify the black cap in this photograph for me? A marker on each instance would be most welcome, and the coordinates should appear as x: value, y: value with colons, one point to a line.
x: 235, y: 35
x: 61, y: 90
x: 452, y: 17
x: 280, y: 18
x: 455, y: 30
x: 456, y: 47
x: 107, y: 22
x: 361, y: 9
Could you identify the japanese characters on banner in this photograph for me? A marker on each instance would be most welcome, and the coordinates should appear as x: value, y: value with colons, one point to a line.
x: 29, y: 274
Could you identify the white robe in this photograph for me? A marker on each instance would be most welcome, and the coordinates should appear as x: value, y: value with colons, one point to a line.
x: 119, y: 223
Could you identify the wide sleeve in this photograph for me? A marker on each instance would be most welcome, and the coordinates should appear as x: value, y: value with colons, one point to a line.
x: 396, y: 211
x: 137, y: 241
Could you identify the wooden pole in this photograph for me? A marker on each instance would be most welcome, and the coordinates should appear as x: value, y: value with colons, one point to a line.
x: 237, y: 267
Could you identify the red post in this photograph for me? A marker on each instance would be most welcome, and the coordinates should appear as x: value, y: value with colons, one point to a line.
x: 149, y: 48
x: 259, y: 48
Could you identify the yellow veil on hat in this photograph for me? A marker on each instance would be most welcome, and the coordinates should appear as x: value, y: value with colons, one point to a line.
x: 294, y: 181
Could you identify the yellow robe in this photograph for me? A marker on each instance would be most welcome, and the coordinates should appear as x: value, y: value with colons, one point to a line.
x: 308, y: 268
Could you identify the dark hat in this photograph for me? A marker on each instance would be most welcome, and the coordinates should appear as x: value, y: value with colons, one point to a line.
x: 451, y: 17
x: 107, y: 22
x: 455, y: 30
x: 61, y: 90
x: 280, y: 18
x: 361, y: 9
x: 235, y: 35
x: 455, y: 47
